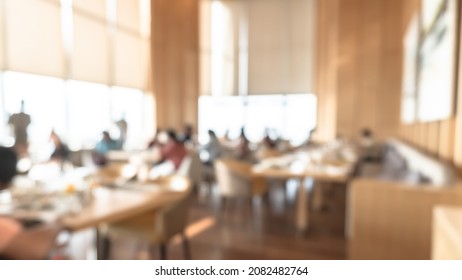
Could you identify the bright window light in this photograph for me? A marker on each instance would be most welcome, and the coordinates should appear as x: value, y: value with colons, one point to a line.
x: 127, y: 104
x: 44, y: 101
x: 289, y: 117
x: 88, y: 113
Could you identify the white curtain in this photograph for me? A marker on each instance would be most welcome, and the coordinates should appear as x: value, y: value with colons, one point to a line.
x: 131, y: 60
x: 33, y: 40
x: 91, y: 51
x: 128, y: 15
x: 224, y: 44
x: 257, y: 46
x: 96, y: 8
x: 2, y: 40
x: 281, y: 46
x: 118, y: 53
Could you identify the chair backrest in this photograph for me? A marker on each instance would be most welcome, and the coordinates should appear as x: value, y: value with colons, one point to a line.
x: 173, y: 219
x: 233, y: 178
x: 191, y: 168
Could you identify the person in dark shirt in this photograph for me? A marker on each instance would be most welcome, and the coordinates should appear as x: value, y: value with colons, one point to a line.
x: 61, y: 151
x: 243, y: 151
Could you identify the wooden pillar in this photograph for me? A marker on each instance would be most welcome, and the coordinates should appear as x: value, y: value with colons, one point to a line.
x: 326, y: 68
x: 175, y: 61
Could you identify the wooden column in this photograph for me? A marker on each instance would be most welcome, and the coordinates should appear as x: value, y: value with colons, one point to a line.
x: 326, y: 68
x: 175, y: 61
x: 369, y: 68
x: 359, y: 62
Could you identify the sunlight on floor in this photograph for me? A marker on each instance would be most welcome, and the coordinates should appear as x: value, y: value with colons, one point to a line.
x: 195, y: 229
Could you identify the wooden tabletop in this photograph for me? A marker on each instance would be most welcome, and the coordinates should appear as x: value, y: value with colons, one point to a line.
x: 447, y: 233
x: 109, y: 205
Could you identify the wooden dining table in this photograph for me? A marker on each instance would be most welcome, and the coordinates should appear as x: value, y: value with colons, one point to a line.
x: 317, y: 173
x: 103, y: 205
x: 114, y: 204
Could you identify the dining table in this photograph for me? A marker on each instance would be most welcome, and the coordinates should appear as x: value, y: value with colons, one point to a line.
x: 82, y: 204
x: 301, y: 166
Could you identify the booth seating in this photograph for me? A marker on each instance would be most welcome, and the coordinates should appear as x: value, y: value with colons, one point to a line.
x: 401, y: 162
x: 389, y: 212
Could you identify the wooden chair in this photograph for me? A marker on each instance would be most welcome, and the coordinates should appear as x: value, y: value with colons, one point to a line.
x: 191, y: 168
x: 157, y: 227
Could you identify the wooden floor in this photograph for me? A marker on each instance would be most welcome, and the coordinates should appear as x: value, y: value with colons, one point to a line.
x: 242, y: 231
x: 239, y: 232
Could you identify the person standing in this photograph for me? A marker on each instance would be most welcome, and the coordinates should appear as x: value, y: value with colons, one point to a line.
x: 20, y: 122
x: 123, y: 129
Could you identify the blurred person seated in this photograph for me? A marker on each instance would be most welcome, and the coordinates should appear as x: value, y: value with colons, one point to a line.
x: 105, y: 145
x: 17, y: 242
x: 172, y: 155
x: 213, y: 148
x: 61, y: 152
x: 310, y: 142
x: 267, y: 141
x: 225, y: 140
x: 187, y: 136
x: 156, y: 140
x: 243, y: 151
x: 267, y: 147
x: 369, y: 149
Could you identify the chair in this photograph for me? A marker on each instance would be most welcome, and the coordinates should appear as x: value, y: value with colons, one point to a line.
x: 157, y: 227
x: 191, y: 168
x: 235, y: 180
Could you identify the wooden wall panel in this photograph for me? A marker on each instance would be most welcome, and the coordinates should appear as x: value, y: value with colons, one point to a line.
x: 446, y: 142
x: 369, y: 67
x: 175, y: 61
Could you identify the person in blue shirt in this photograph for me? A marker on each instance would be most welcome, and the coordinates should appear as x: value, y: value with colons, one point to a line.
x: 105, y: 145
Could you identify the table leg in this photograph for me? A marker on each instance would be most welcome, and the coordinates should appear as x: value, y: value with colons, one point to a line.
x: 302, y: 214
x: 318, y: 196
x: 102, y: 244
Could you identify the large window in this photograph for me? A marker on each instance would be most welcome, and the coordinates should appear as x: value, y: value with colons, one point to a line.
x: 79, y: 66
x: 78, y: 111
x: 289, y: 117
x: 88, y: 113
x: 44, y: 101
x: 127, y: 104
x: 257, y: 47
x: 222, y: 114
x: 429, y: 68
